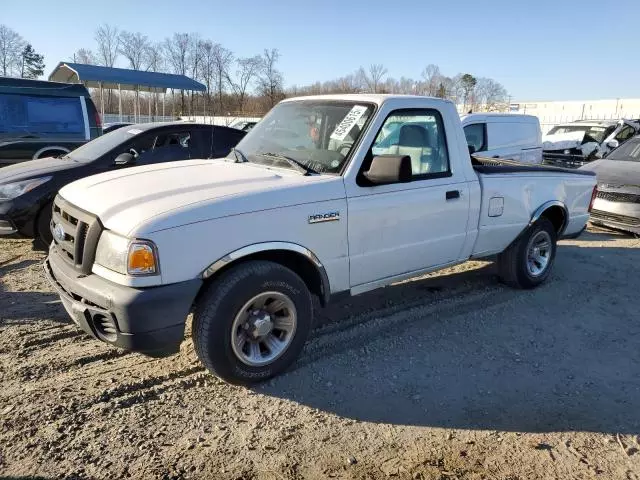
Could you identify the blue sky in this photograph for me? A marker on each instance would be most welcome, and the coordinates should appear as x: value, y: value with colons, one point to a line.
x: 539, y: 50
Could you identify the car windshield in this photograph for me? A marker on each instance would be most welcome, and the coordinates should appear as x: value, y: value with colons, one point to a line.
x: 629, y: 151
x: 96, y: 148
x: 313, y: 135
x: 592, y: 133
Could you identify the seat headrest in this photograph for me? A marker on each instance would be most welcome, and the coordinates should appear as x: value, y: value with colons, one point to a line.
x: 413, y: 136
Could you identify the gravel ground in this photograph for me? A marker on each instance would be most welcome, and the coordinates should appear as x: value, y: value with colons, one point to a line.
x: 452, y: 376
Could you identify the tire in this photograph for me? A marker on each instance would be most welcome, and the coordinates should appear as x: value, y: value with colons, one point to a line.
x: 218, y: 322
x: 514, y: 266
x: 43, y: 227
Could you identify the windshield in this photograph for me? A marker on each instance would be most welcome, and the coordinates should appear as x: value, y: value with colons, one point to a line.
x: 629, y: 151
x: 98, y: 147
x: 592, y: 134
x: 317, y: 135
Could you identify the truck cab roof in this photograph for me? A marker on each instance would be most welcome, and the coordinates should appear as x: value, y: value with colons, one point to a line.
x: 377, y: 98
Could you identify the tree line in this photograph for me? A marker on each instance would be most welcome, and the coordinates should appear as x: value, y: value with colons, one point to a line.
x: 17, y: 57
x: 236, y: 85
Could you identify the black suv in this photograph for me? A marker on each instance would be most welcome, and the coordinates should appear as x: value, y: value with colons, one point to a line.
x: 41, y: 119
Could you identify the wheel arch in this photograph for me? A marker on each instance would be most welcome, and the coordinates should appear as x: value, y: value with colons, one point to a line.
x: 291, y: 255
x: 555, y: 211
x: 50, y: 147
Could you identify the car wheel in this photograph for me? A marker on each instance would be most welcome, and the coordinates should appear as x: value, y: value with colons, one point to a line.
x: 528, y: 261
x: 252, y: 322
x: 43, y: 227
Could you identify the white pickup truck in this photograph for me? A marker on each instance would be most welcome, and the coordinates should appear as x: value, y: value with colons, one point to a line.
x: 301, y: 207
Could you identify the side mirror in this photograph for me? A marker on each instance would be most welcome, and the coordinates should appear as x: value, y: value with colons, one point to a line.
x: 389, y: 169
x: 613, y: 144
x: 124, y: 159
x: 472, y: 149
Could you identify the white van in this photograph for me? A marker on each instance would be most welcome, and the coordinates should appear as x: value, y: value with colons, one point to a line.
x: 504, y: 135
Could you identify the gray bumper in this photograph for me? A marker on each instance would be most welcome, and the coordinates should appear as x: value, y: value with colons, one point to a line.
x: 149, y: 320
x: 618, y: 215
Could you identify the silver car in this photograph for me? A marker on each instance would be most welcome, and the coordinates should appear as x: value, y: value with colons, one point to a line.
x: 617, y: 204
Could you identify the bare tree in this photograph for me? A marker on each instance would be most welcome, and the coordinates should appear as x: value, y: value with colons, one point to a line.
x: 431, y: 75
x: 155, y: 62
x: 271, y: 80
x: 407, y: 86
x: 178, y: 49
x: 84, y: 55
x: 107, y: 38
x: 490, y: 95
x: 11, y: 45
x: 208, y: 71
x: 195, y: 60
x: 348, y: 84
x: 155, y: 57
x: 223, y: 62
x: 134, y: 47
x: 373, y: 77
x: 248, y: 69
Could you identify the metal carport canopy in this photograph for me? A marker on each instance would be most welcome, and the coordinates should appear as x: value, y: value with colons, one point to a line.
x: 95, y: 76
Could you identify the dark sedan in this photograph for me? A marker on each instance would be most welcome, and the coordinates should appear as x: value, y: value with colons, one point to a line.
x: 617, y: 204
x: 27, y: 189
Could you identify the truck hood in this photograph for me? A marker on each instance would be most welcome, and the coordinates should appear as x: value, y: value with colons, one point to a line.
x: 562, y: 141
x: 615, y: 174
x: 141, y: 200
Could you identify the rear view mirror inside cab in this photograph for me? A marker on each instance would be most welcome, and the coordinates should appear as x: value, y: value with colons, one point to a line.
x: 389, y: 169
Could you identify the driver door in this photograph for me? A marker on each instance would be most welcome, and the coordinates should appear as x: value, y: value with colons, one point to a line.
x: 401, y: 228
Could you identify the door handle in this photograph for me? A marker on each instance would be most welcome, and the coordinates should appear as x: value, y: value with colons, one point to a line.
x: 451, y: 194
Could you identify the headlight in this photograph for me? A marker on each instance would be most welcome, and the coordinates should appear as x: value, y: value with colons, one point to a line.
x: 9, y: 191
x: 125, y: 256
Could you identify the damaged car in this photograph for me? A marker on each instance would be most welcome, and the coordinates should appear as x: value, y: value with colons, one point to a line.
x: 577, y: 143
x: 617, y: 203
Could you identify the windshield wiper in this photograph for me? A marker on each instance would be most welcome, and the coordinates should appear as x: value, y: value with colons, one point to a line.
x: 240, y: 157
x: 296, y: 164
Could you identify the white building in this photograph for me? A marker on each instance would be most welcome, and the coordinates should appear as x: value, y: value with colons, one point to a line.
x: 554, y: 113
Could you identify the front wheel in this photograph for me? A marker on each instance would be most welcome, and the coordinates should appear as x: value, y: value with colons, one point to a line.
x: 527, y: 262
x: 43, y: 227
x: 252, y: 322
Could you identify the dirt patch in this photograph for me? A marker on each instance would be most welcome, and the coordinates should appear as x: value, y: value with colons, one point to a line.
x: 450, y: 376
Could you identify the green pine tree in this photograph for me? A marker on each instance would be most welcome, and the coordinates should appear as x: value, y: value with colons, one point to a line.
x: 32, y: 63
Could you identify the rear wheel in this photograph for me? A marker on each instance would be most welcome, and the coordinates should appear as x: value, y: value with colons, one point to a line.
x: 43, y: 227
x: 252, y: 322
x: 527, y: 262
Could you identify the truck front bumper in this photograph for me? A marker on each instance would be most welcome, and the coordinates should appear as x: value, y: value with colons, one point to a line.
x: 148, y: 320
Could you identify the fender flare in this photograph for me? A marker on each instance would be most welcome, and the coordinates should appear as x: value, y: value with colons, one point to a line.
x: 240, y: 253
x: 544, y: 207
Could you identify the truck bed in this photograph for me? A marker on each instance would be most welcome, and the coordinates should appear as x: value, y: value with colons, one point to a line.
x: 488, y: 166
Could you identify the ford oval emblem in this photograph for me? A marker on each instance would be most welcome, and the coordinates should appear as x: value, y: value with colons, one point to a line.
x: 58, y: 232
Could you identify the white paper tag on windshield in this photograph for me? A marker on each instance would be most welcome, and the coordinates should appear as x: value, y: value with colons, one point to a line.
x: 134, y: 131
x: 347, y: 123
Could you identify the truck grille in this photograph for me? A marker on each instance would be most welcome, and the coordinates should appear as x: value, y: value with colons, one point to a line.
x: 619, y: 197
x: 75, y: 234
x: 615, y: 218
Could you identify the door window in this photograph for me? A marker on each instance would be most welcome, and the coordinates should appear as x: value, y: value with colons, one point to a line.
x: 476, y: 134
x: 625, y: 134
x: 418, y: 134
